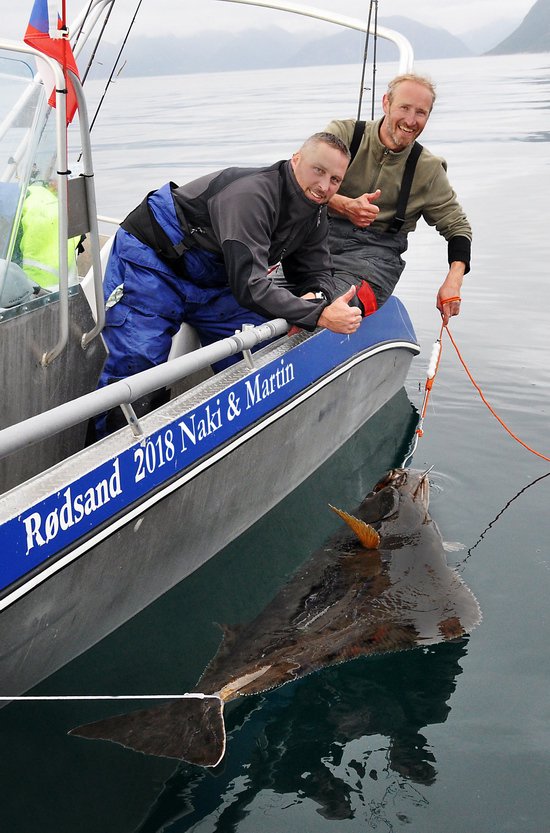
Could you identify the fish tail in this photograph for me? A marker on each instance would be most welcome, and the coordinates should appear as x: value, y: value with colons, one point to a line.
x: 191, y: 729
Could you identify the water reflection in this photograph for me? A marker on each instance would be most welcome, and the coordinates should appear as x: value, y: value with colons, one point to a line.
x: 351, y: 739
x: 165, y: 649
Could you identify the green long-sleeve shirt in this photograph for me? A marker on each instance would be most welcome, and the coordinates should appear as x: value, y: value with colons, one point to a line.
x: 432, y: 196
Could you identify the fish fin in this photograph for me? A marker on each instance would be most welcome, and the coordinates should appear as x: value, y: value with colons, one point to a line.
x: 191, y: 729
x: 367, y: 535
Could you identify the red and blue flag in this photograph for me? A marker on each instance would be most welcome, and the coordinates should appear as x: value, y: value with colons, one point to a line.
x: 47, y: 33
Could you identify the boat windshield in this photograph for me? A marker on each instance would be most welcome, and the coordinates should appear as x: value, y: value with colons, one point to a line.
x: 29, y: 245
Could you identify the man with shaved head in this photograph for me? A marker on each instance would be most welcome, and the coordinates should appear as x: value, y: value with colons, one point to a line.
x: 202, y: 252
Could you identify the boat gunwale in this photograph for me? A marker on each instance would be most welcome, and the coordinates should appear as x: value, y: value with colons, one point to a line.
x: 74, y: 550
x: 114, y: 444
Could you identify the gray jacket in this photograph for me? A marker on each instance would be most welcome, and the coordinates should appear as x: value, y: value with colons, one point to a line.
x: 255, y: 218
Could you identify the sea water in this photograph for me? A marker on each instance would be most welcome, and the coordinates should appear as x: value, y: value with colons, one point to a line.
x: 453, y: 739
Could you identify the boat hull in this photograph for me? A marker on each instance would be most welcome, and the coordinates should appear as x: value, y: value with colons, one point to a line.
x: 86, y: 587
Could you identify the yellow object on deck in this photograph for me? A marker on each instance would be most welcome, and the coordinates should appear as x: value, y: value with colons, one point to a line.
x: 39, y: 238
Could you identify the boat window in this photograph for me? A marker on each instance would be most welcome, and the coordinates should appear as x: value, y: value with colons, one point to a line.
x: 29, y: 246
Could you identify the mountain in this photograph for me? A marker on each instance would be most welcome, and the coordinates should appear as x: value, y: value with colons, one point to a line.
x: 214, y: 51
x: 274, y: 47
x: 427, y: 41
x: 348, y: 46
x: 532, y: 35
x: 210, y: 51
x: 484, y: 38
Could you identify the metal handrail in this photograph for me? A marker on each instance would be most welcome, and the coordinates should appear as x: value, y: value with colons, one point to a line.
x: 93, y: 225
x: 89, y: 16
x: 406, y: 54
x: 97, y: 7
x: 126, y: 391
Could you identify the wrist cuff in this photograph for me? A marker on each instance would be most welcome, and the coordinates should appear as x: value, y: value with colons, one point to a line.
x: 460, y: 248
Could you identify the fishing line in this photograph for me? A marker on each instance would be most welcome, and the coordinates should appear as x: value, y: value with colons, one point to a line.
x: 430, y: 379
x: 97, y: 43
x: 490, y: 407
x: 499, y: 515
x: 109, y: 80
x: 374, y: 51
x: 431, y: 374
x: 365, y: 56
x: 84, y: 21
x: 63, y: 697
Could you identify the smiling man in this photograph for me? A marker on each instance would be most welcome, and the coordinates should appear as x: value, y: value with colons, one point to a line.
x: 202, y: 252
x: 319, y: 171
x: 375, y: 209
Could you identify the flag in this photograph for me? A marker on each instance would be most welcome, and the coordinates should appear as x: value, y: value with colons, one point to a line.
x: 47, y: 32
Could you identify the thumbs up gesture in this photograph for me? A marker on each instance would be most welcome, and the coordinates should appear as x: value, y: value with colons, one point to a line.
x: 361, y: 211
x: 339, y: 316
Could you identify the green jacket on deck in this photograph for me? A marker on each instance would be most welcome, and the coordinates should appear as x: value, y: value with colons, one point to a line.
x: 39, y: 238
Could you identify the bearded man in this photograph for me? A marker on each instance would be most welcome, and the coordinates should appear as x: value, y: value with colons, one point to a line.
x: 391, y: 182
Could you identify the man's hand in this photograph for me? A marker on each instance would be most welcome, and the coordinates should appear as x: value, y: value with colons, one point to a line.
x: 360, y: 211
x: 448, y: 297
x: 339, y: 316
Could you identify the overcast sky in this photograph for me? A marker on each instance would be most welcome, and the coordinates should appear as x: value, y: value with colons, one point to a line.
x: 179, y: 17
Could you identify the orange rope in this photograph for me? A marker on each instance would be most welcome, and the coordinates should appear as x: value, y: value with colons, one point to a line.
x: 496, y: 416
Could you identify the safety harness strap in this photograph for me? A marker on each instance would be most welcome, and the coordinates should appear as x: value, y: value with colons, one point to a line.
x: 406, y: 182
x: 408, y: 175
x: 142, y: 223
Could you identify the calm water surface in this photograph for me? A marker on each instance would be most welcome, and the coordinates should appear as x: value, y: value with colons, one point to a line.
x: 453, y: 739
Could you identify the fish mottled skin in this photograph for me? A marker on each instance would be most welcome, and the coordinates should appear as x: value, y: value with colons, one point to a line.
x: 347, y: 601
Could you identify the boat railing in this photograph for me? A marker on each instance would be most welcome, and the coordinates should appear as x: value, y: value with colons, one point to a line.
x: 95, y: 8
x: 81, y: 190
x: 84, y: 183
x: 84, y: 24
x: 126, y: 391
